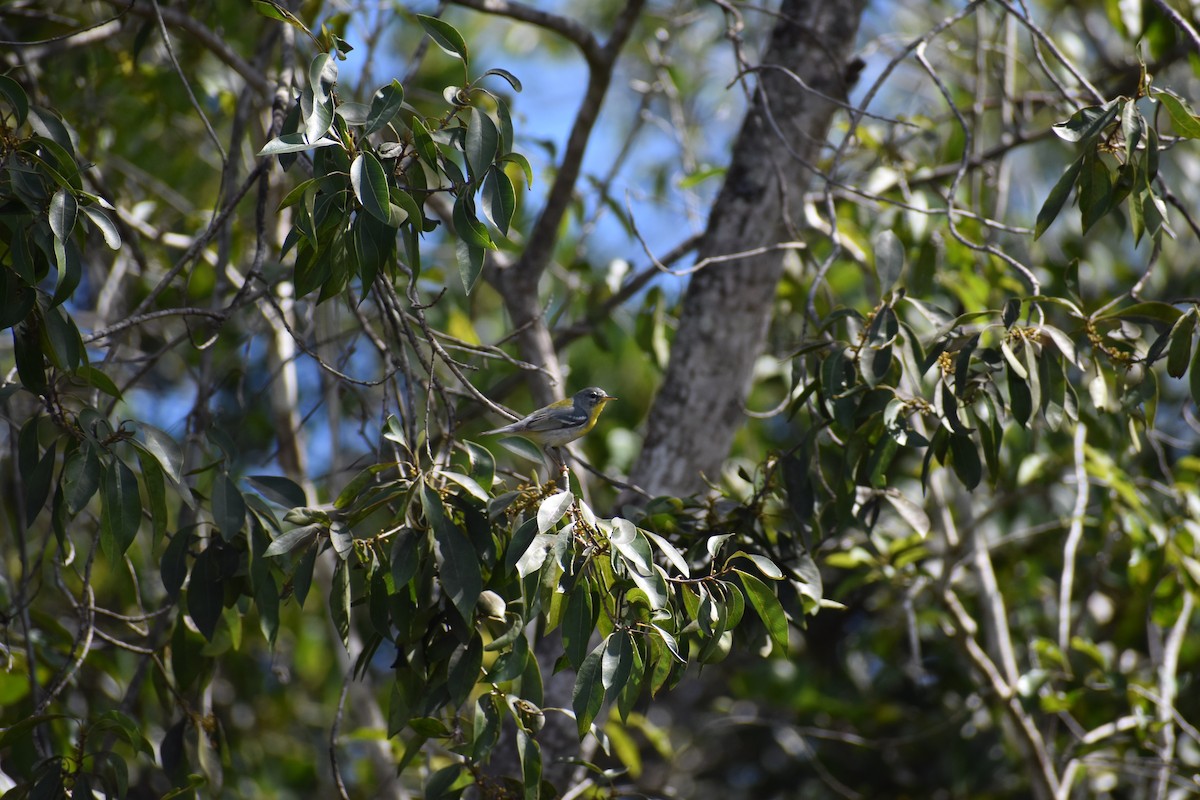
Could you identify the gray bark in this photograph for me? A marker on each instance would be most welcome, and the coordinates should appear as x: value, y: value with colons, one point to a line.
x: 727, y: 306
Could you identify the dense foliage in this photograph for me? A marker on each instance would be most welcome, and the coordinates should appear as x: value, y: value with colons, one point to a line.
x: 258, y: 302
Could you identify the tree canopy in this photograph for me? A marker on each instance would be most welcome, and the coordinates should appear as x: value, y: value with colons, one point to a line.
x: 899, y: 497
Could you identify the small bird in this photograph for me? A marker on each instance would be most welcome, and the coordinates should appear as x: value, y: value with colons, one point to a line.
x: 562, y: 422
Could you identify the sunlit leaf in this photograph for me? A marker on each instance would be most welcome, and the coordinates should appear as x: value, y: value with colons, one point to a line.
x: 370, y: 185
x: 445, y: 35
x: 1186, y: 123
x: 767, y: 606
x: 552, y: 509
x: 384, y: 106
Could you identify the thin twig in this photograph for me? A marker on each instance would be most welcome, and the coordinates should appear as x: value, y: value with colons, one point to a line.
x: 333, y: 735
x: 1168, y: 686
x: 70, y: 34
x: 1030, y: 734
x: 212, y: 134
x: 1071, y: 546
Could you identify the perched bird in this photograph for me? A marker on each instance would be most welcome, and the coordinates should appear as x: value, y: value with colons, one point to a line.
x: 562, y: 422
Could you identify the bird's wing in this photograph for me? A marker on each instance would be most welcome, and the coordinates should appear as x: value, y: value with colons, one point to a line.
x: 545, y: 421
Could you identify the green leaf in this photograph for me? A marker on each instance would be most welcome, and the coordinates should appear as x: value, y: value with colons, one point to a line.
x: 302, y: 577
x: 765, y: 565
x: 384, y: 105
x: 66, y: 256
x: 458, y: 563
x: 1133, y: 128
x: 499, y: 199
x: 467, y: 225
x: 912, y: 513
x: 81, y: 477
x: 469, y: 258
x: 16, y: 98
x: 272, y: 10
x: 579, y: 621
x: 156, y: 493
x: 293, y: 143
x: 506, y: 75
x: 472, y: 488
x: 670, y: 642
x: 19, y: 731
x: 173, y: 568
x: 588, y: 694
x: 97, y: 379
x: 163, y: 447
x: 104, y: 223
x: 462, y: 670
x: 768, y: 608
x: 1180, y: 348
x: 1150, y: 310
x: 228, y: 507
x: 319, y: 121
x: 522, y: 162
x: 1057, y: 197
x: 735, y: 604
x: 483, y: 466
x: 322, y: 77
x: 632, y: 545
x: 552, y: 509
x: 1088, y: 122
x: 445, y: 36
x: 510, y: 665
x: 480, y: 143
x: 64, y: 210
x: 120, y: 510
x: 27, y: 351
x: 358, y: 484
x: 530, y: 754
x: 1186, y: 123
x: 339, y: 602
x: 370, y: 185
x: 965, y: 458
x: 424, y: 143
x: 289, y: 541
x: 1095, y: 191
x: 355, y: 114
x: 37, y: 483
x: 616, y: 663
x: 1194, y: 376
x: 205, y: 594
x: 671, y: 553
x: 278, y: 489
x: 403, y: 201
x: 61, y: 341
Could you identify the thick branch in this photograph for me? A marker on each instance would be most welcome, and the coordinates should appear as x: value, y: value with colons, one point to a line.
x: 518, y: 283
x: 727, y: 307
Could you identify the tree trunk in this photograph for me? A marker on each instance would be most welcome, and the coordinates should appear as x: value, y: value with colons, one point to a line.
x: 727, y: 307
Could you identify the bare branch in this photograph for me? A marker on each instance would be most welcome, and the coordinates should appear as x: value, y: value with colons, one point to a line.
x: 570, y: 29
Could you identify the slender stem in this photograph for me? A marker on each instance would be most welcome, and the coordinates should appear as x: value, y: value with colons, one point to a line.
x: 1071, y: 547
